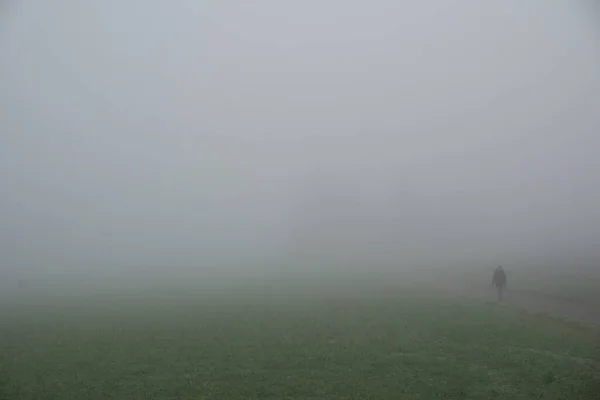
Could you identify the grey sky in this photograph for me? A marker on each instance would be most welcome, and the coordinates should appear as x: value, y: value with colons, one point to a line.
x: 171, y: 133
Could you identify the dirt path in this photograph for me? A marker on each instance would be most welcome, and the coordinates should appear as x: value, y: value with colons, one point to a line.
x: 585, y: 313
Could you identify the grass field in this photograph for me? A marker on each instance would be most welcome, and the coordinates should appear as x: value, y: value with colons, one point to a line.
x: 389, y: 345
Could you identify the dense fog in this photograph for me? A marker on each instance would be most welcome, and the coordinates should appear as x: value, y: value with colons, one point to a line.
x: 262, y: 138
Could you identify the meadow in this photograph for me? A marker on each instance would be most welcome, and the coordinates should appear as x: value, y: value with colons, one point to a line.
x: 380, y: 343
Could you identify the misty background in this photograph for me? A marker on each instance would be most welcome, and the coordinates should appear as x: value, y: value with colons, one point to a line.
x: 243, y: 138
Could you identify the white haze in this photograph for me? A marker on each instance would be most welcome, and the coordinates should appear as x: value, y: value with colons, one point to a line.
x: 215, y: 135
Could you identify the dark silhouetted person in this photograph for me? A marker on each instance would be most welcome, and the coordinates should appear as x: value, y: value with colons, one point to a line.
x: 500, y: 281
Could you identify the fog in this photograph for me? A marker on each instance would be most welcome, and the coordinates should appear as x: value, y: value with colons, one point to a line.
x: 242, y: 139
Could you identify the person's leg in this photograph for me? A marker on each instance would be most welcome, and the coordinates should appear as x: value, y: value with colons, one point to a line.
x: 499, y: 289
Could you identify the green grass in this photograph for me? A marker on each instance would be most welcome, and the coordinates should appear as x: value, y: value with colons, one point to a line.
x: 388, y: 346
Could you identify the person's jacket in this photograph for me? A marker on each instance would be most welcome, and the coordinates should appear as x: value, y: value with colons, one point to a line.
x: 499, y: 277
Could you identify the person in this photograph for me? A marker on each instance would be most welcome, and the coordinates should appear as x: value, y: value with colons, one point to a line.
x: 499, y: 280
